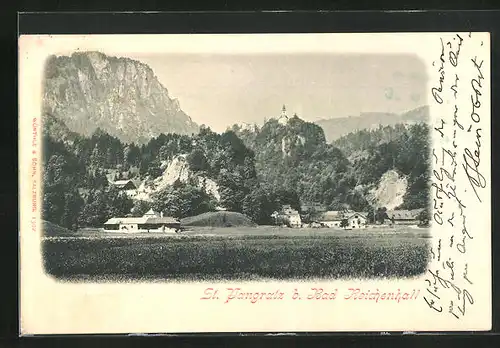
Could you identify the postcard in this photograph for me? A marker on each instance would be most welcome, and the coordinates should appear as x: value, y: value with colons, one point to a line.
x: 272, y: 183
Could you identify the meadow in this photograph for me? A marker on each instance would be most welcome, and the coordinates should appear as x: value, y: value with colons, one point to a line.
x: 243, y: 253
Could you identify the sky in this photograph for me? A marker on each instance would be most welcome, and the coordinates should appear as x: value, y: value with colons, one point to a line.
x: 220, y: 90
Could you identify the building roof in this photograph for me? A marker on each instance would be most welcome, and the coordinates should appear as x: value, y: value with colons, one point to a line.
x: 142, y: 220
x: 352, y: 215
x: 403, y: 214
x: 151, y: 212
x: 331, y: 215
x: 113, y: 221
x: 126, y: 220
x: 290, y: 212
x: 122, y: 183
x: 162, y: 220
x: 337, y: 215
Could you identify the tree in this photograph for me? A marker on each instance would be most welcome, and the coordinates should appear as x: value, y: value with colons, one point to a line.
x: 197, y: 161
x: 288, y: 196
x: 182, y: 200
x: 60, y: 180
x: 117, y: 203
x: 344, y: 223
x: 95, y: 211
x: 232, y: 190
x: 370, y: 216
x: 102, y: 205
x: 154, y: 169
x: 424, y: 217
x: 140, y: 208
x: 381, y: 215
x: 72, y: 206
x: 258, y: 206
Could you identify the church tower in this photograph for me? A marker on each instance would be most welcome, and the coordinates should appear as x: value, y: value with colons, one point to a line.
x: 283, y: 111
x: 283, y: 120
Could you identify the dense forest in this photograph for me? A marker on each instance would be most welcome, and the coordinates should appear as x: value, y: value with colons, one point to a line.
x: 256, y: 170
x: 340, y: 175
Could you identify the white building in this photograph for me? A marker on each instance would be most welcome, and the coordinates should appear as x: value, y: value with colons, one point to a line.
x: 356, y: 220
x: 404, y: 217
x: 334, y: 218
x: 288, y: 216
x: 150, y: 222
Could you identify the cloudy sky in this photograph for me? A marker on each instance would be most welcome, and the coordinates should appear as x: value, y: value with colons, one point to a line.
x: 220, y: 90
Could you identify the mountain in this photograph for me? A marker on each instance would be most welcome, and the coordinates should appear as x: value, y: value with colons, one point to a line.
x: 293, y: 159
x: 57, y: 129
x: 337, y: 127
x: 121, y: 96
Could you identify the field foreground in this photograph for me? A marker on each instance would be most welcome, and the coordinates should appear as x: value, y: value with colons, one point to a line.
x: 245, y: 253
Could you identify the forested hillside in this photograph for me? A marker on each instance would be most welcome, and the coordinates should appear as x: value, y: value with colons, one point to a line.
x: 296, y: 157
x: 404, y: 148
x: 338, y: 127
x: 77, y: 191
x: 254, y: 170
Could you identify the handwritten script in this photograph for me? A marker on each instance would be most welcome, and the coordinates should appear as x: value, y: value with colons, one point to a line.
x: 458, y: 180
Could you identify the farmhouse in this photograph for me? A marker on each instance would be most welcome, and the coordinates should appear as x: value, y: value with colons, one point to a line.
x: 333, y: 218
x: 404, y: 217
x: 292, y: 216
x: 124, y: 184
x: 150, y: 222
x: 356, y: 220
x: 288, y: 216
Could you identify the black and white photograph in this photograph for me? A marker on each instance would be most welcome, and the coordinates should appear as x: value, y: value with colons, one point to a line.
x: 235, y: 166
x: 254, y: 174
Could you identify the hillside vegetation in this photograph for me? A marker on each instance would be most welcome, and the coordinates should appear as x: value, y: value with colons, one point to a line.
x: 108, y: 118
x: 252, y: 172
x: 52, y: 230
x: 218, y: 219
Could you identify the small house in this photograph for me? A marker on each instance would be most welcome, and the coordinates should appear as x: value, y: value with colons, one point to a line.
x: 331, y: 218
x: 288, y: 216
x: 356, y: 220
x: 124, y: 185
x: 149, y: 222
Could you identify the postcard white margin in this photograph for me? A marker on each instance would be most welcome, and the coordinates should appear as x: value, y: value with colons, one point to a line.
x: 457, y: 298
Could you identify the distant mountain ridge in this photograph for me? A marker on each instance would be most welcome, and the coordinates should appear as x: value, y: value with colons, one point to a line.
x: 337, y: 127
x: 90, y: 90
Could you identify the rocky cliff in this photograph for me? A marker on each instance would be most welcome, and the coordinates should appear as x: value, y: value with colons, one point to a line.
x: 90, y: 90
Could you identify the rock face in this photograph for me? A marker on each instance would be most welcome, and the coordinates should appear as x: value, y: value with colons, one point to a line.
x: 90, y: 90
x: 390, y: 191
x: 176, y: 169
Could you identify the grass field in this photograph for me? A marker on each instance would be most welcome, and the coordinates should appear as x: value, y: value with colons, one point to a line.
x: 239, y: 253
